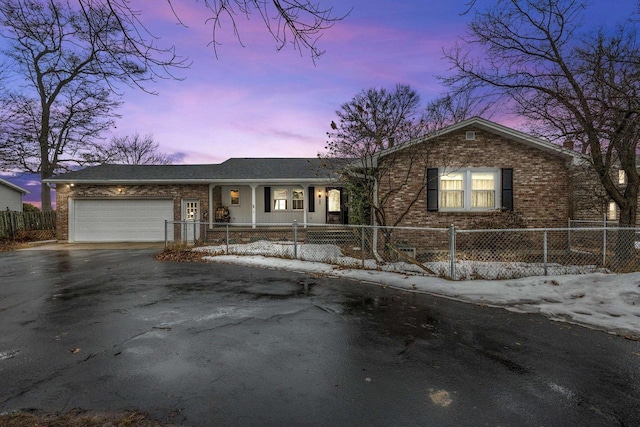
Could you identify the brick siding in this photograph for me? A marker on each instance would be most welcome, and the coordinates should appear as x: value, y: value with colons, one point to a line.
x: 541, y: 181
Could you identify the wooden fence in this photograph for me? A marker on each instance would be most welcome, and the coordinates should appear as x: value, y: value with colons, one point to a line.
x: 27, y: 225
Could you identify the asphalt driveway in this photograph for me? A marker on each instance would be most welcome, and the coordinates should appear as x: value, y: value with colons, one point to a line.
x: 208, y: 344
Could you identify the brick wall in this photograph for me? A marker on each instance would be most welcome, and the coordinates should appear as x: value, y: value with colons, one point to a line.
x: 590, y: 201
x: 541, y: 182
x: 175, y: 192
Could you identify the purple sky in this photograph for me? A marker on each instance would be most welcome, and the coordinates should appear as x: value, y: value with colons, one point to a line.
x: 253, y: 101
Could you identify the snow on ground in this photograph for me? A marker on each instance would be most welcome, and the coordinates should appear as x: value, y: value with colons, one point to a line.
x: 609, y: 302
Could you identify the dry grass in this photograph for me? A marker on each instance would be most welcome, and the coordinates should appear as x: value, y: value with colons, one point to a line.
x: 180, y: 253
x: 7, y: 245
x: 77, y: 418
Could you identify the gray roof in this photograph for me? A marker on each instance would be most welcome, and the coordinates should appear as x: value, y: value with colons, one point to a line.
x: 13, y: 186
x: 236, y: 169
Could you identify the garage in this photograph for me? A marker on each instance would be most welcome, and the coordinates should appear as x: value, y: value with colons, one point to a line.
x: 119, y: 220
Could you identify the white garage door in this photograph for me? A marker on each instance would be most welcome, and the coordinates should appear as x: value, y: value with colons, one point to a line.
x: 120, y: 220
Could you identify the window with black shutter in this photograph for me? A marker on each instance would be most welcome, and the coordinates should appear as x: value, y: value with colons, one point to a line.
x: 267, y: 199
x: 507, y: 189
x: 432, y: 189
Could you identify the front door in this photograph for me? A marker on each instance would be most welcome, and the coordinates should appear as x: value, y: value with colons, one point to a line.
x: 336, y: 206
x: 191, y: 218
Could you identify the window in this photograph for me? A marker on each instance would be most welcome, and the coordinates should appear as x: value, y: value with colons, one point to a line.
x: 470, y: 135
x: 297, y: 202
x: 469, y: 189
x: 280, y: 198
x: 334, y: 200
x: 612, y: 213
x: 234, y: 196
x: 622, y: 177
x: 483, y: 190
x: 451, y: 191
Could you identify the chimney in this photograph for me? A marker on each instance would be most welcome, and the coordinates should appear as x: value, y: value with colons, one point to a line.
x: 568, y: 144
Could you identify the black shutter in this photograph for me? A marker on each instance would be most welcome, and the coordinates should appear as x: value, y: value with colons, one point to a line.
x: 312, y: 200
x: 432, y: 189
x: 507, y: 189
x: 267, y: 199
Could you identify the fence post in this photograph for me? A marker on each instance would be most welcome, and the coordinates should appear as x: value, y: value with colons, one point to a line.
x: 544, y: 251
x: 569, y: 235
x: 227, y: 239
x: 295, y: 239
x: 604, y: 242
x: 362, y: 244
x: 452, y: 252
x: 165, y: 234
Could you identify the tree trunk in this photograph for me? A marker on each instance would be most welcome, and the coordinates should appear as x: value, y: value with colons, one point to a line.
x: 46, y: 171
x: 45, y: 197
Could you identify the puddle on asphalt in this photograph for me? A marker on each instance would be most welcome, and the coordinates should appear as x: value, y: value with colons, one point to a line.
x: 405, y: 318
x: 280, y: 290
x: 395, y: 315
x: 63, y: 262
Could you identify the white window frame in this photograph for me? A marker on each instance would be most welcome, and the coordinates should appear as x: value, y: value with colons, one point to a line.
x: 612, y: 212
x: 299, y: 191
x: 280, y: 199
x: 231, y: 197
x: 467, y: 174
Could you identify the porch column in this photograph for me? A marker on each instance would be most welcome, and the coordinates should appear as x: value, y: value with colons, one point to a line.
x: 253, y: 205
x: 211, y: 209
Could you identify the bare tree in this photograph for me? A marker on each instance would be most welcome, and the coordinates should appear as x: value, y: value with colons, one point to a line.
x: 74, y: 56
x: 450, y: 109
x: 377, y: 122
x: 368, y: 124
x: 298, y: 23
x: 130, y: 150
x: 574, y: 81
x: 66, y: 63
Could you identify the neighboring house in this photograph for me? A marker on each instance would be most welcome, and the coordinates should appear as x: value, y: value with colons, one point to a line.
x: 591, y: 201
x: 478, y: 174
x: 11, y: 196
x: 131, y: 202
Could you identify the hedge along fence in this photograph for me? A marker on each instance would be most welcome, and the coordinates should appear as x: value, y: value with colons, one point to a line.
x: 38, y: 225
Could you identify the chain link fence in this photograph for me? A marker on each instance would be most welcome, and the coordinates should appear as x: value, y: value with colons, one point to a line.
x: 444, y: 252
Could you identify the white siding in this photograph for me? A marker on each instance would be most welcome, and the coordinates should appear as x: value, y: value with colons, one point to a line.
x: 10, y: 198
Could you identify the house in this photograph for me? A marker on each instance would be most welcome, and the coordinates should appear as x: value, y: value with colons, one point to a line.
x: 474, y: 174
x: 11, y: 196
x: 477, y: 174
x: 132, y: 202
